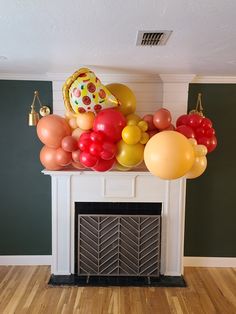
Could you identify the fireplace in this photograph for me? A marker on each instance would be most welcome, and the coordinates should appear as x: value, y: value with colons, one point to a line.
x: 121, y: 198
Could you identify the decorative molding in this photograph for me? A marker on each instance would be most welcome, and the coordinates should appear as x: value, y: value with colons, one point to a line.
x: 196, y: 261
x: 25, y: 77
x: 25, y: 260
x: 214, y: 79
x: 177, y: 78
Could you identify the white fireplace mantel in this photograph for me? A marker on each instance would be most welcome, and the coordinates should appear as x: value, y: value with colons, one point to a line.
x: 69, y: 187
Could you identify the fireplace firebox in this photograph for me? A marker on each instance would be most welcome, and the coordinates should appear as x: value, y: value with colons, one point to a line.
x: 117, y: 239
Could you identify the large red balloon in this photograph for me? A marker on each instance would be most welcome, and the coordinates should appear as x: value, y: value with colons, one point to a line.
x: 48, y: 158
x: 104, y: 165
x: 110, y: 122
x: 186, y: 131
x: 162, y: 119
x: 52, y: 129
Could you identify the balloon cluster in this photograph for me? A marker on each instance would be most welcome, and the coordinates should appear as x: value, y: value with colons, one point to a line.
x: 197, y: 127
x: 104, y: 133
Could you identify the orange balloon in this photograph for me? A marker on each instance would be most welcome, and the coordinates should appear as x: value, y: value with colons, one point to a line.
x: 85, y: 120
x: 169, y: 155
x: 198, y: 168
x: 63, y: 158
x: 78, y: 165
x: 48, y: 158
x: 77, y: 132
x: 51, y: 129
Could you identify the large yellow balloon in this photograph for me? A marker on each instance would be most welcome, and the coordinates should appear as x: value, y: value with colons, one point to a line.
x: 169, y: 155
x: 198, y: 168
x: 129, y: 155
x: 125, y: 97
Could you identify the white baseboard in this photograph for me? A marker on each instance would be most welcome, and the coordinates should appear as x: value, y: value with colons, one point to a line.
x: 25, y: 259
x: 196, y: 261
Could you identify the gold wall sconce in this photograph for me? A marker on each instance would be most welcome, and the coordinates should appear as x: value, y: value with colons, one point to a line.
x: 34, y: 115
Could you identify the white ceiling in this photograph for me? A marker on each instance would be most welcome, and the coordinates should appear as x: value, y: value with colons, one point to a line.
x: 40, y: 36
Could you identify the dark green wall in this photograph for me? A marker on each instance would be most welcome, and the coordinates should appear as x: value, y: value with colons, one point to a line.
x: 25, y: 209
x: 211, y: 198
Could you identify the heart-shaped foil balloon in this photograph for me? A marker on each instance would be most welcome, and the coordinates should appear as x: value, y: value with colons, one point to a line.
x: 83, y: 92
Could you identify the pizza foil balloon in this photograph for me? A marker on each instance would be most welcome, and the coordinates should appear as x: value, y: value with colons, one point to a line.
x: 84, y: 92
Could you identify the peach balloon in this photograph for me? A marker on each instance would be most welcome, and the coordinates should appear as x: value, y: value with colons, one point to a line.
x: 85, y: 120
x: 198, y: 167
x: 63, y: 158
x: 77, y: 132
x: 51, y: 129
x: 48, y: 158
x: 78, y: 165
x: 73, y: 123
x: 169, y: 155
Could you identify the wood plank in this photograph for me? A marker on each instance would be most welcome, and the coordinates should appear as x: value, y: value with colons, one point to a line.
x: 25, y: 290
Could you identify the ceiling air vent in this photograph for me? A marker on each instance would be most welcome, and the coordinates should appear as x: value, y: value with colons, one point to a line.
x: 152, y: 38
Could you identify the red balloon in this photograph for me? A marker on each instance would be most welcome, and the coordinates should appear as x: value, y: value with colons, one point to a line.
x: 69, y: 144
x: 51, y: 129
x: 182, y: 120
x: 104, y: 165
x: 48, y: 158
x: 95, y: 148
x: 199, y: 132
x: 149, y: 119
x: 108, y: 150
x: 162, y: 119
x: 170, y: 128
x: 97, y: 136
x: 76, y: 155
x: 152, y: 133
x: 84, y: 144
x: 210, y: 132
x: 110, y: 122
x: 63, y: 158
x: 194, y: 120
x: 88, y: 160
x: 206, y: 123
x: 210, y: 143
x: 186, y: 131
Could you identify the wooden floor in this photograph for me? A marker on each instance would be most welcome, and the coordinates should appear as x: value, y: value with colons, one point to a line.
x: 24, y: 290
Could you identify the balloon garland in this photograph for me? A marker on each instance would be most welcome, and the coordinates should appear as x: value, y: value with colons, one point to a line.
x: 101, y: 132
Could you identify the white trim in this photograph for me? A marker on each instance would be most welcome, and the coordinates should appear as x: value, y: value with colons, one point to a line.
x: 25, y: 76
x: 196, y: 261
x: 25, y: 260
x: 215, y: 79
x: 177, y: 78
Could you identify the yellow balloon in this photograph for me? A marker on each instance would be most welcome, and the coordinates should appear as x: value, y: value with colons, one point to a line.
x: 132, y: 119
x: 169, y: 155
x: 131, y: 134
x: 192, y: 141
x: 200, y: 150
x: 125, y: 97
x: 198, y: 168
x: 129, y: 155
x: 144, y: 138
x: 143, y: 125
x: 119, y: 167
